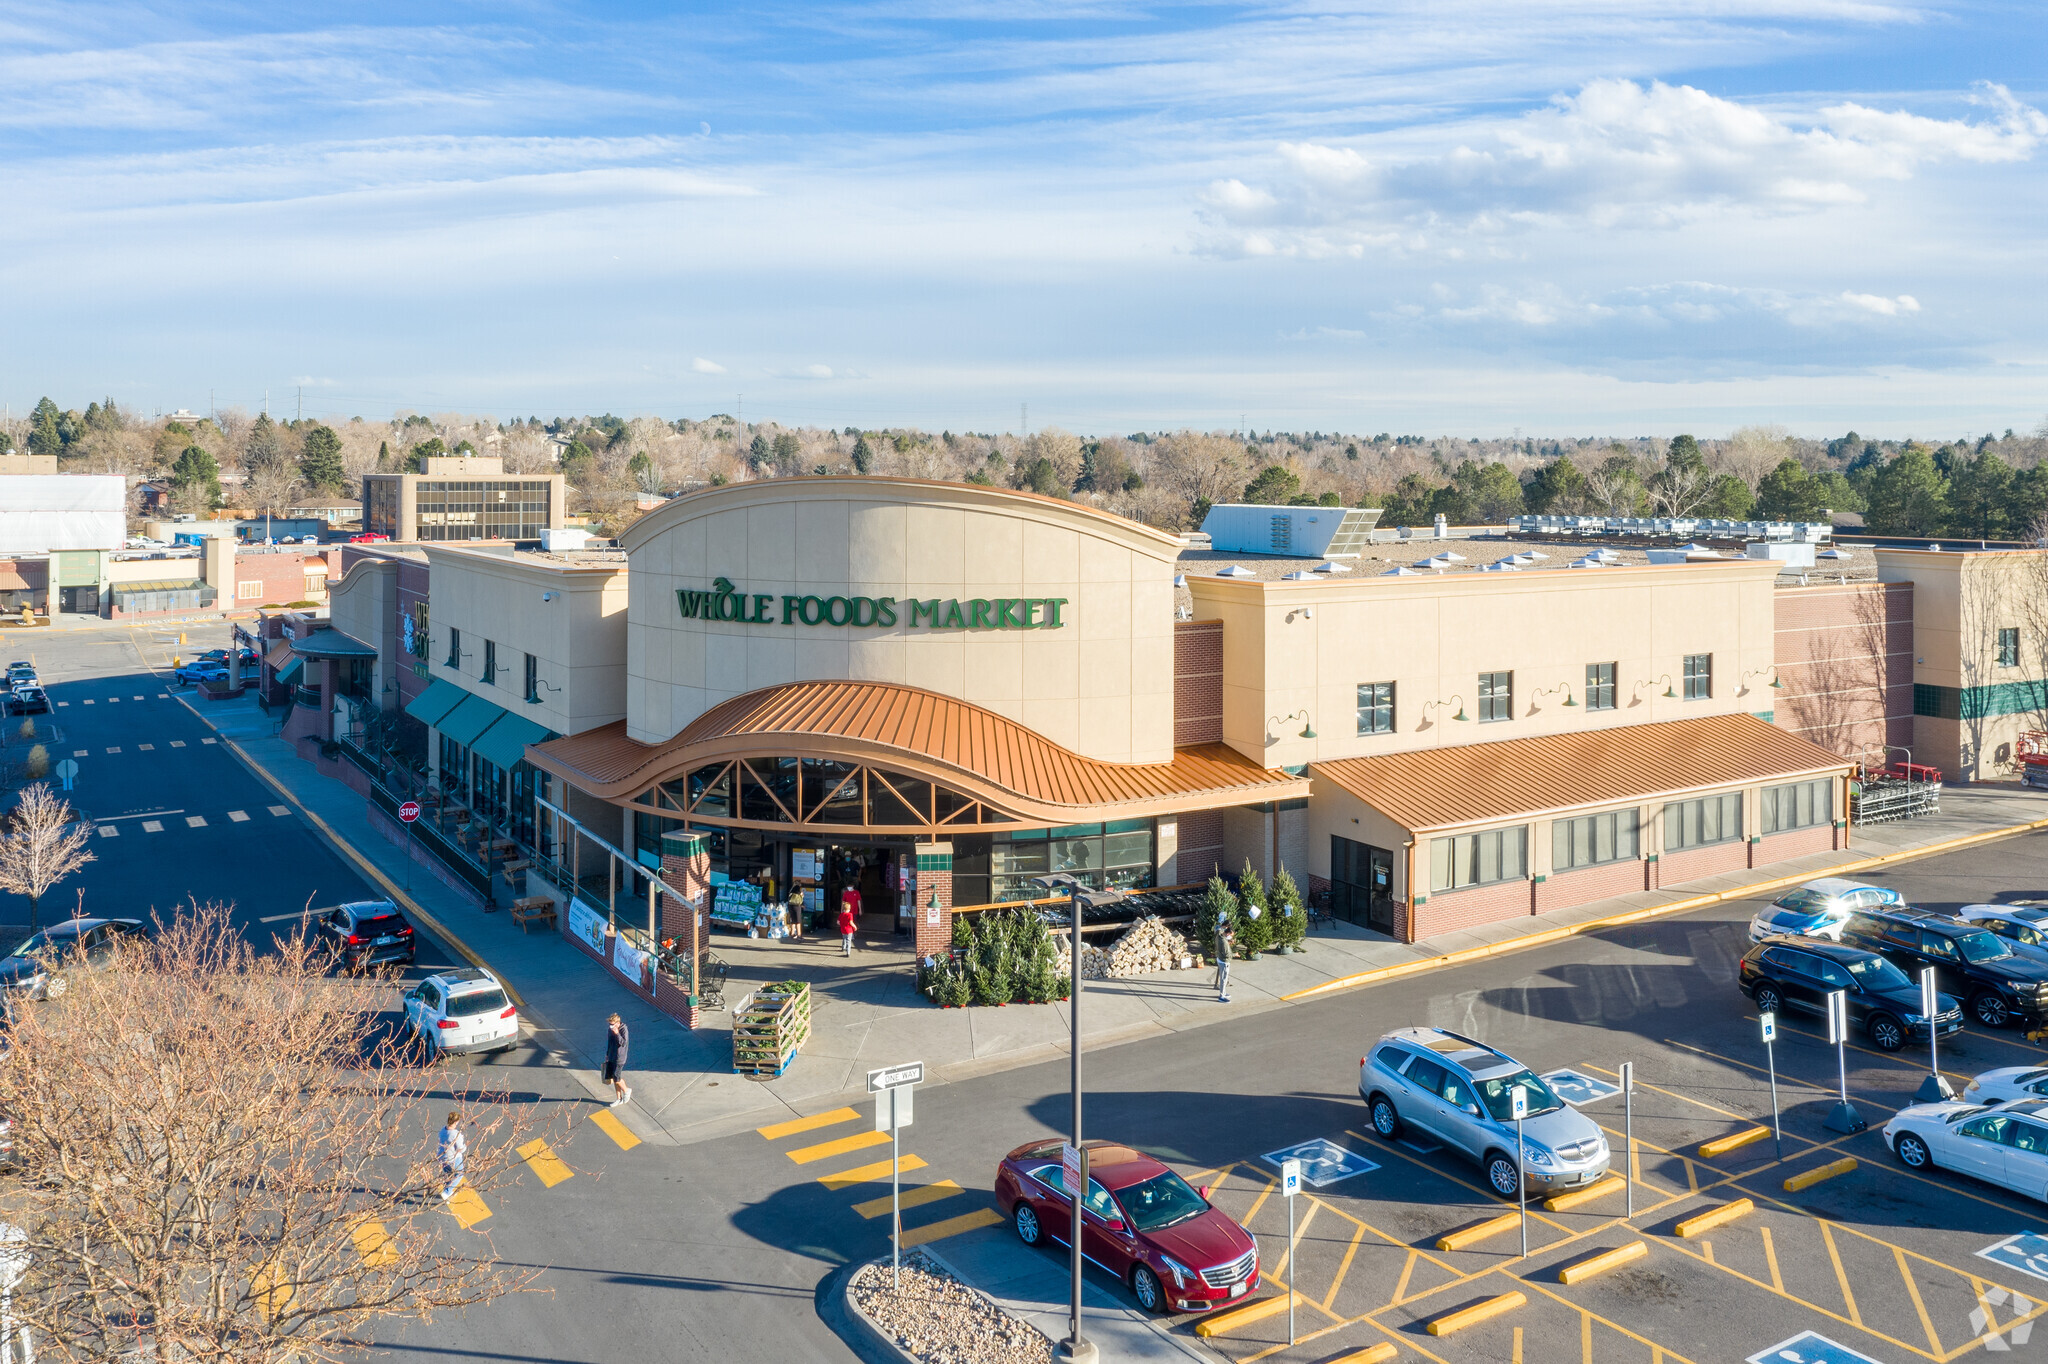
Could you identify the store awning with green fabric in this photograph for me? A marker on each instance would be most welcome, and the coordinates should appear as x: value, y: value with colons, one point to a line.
x: 504, y: 743
x: 433, y: 704
x: 292, y: 669
x: 468, y: 721
x: 332, y: 644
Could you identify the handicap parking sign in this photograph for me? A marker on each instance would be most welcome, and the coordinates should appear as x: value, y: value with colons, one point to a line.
x: 1810, y: 1347
x: 2026, y: 1252
x: 1577, y: 1087
x: 1322, y: 1162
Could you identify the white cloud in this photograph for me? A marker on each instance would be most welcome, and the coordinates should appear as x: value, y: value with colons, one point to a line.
x: 1882, y: 306
x: 703, y: 366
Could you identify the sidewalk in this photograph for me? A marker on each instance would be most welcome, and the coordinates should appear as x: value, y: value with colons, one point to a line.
x: 870, y: 1015
x: 1034, y: 1285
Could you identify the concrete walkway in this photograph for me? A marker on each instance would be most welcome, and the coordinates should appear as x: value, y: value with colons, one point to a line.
x: 1035, y: 1285
x: 869, y: 1014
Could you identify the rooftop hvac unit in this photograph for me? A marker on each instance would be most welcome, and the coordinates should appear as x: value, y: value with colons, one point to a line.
x: 1304, y: 532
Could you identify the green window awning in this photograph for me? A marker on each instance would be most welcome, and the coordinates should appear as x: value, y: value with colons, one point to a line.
x: 504, y: 743
x: 468, y: 720
x: 431, y: 706
x: 290, y: 670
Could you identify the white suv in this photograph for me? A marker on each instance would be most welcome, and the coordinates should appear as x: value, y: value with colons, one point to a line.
x: 461, y: 1010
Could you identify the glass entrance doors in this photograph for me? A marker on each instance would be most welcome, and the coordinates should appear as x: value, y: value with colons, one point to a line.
x: 1362, y: 884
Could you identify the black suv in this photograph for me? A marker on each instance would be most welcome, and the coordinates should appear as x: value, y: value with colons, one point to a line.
x: 1800, y: 973
x: 1970, y: 962
x: 367, y: 933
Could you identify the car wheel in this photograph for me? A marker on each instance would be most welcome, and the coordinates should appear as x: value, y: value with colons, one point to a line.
x: 1028, y: 1230
x: 1768, y: 1000
x: 1886, y: 1032
x: 1990, y: 1009
x: 1502, y: 1176
x: 1385, y: 1120
x: 1145, y: 1288
x: 1913, y: 1153
x: 55, y: 987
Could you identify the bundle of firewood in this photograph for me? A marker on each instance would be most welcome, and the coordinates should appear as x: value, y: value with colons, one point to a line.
x: 1094, y: 961
x: 1147, y: 946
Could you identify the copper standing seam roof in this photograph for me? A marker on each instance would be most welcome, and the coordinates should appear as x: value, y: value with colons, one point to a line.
x: 281, y: 650
x: 942, y: 738
x: 1441, y: 788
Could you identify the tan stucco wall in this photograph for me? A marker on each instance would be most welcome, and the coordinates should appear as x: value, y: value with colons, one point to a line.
x: 364, y: 605
x: 579, y: 637
x: 1432, y: 637
x: 1101, y: 685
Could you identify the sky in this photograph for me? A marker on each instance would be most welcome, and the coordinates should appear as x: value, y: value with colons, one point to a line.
x: 1458, y: 217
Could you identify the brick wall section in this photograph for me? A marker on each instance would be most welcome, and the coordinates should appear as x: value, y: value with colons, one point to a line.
x: 1565, y: 889
x: 934, y: 937
x: 1845, y: 655
x: 1450, y: 910
x: 1201, y: 845
x: 1798, y: 843
x: 1694, y: 863
x: 1198, y: 682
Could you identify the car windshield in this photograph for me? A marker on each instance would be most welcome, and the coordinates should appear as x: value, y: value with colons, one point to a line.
x: 1500, y: 1103
x: 1982, y: 946
x: 1875, y: 973
x: 35, y: 944
x: 1164, y: 1200
x: 1805, y: 901
x: 476, y: 1002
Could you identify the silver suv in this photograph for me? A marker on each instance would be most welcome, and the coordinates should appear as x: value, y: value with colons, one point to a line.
x: 1459, y: 1092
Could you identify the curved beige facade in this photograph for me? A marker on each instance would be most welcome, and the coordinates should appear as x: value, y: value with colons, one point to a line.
x: 1052, y: 614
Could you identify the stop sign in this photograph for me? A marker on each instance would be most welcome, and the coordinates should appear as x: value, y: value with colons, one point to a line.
x: 409, y: 811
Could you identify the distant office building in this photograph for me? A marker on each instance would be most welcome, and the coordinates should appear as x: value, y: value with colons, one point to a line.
x: 463, y: 497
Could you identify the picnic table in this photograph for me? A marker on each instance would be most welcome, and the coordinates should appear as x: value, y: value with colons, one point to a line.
x: 530, y: 909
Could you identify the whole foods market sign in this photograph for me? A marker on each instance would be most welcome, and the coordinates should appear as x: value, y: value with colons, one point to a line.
x: 726, y: 602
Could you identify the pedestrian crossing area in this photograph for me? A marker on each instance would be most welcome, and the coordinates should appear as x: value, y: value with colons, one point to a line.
x: 867, y: 1176
x: 113, y: 749
x: 155, y: 824
x: 116, y: 700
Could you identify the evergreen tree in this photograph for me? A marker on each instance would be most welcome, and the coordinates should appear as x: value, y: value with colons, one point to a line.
x: 1980, y: 497
x: 1557, y: 487
x: 864, y: 455
x: 1788, y: 493
x: 43, y: 436
x: 1255, y: 924
x: 417, y: 457
x: 1218, y: 906
x: 320, y: 459
x: 1275, y: 485
x: 262, y: 447
x: 1290, y: 915
x: 758, y: 454
x: 384, y: 456
x: 197, y: 470
x: 1909, y: 496
x: 1727, y: 497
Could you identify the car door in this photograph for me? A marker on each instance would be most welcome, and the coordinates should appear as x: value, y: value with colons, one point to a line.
x: 1831, y: 976
x: 429, y: 1010
x: 1045, y: 1186
x: 2026, y: 1158
x: 1792, y: 972
x: 1939, y: 951
x: 1105, y: 1237
x: 1422, y: 1099
x: 1462, y: 1127
x: 1976, y: 1147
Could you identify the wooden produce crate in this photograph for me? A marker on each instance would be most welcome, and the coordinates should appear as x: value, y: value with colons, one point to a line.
x: 768, y: 1027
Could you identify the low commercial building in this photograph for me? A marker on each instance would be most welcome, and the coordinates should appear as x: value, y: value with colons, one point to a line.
x: 464, y: 497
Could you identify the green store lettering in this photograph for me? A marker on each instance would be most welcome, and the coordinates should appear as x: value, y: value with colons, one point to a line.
x: 725, y: 602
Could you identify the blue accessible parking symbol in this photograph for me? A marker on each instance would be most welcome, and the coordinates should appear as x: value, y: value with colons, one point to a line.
x: 1809, y: 1347
x: 2026, y: 1252
x: 1322, y: 1162
x: 1578, y: 1088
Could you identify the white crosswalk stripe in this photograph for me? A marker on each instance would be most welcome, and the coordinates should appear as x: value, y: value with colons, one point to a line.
x: 86, y: 753
x: 117, y: 748
x: 109, y: 831
x: 209, y: 741
x: 180, y: 743
x: 152, y: 826
x: 283, y: 810
x: 242, y: 817
x: 151, y: 748
x: 199, y: 822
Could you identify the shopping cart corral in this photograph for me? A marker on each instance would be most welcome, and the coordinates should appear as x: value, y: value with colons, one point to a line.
x: 1900, y: 790
x: 2030, y: 755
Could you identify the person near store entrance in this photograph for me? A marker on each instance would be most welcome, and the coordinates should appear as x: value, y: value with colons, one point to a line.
x: 796, y: 914
x: 849, y: 918
x: 1226, y: 944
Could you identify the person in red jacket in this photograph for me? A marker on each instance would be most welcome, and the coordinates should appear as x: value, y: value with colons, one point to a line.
x: 849, y: 917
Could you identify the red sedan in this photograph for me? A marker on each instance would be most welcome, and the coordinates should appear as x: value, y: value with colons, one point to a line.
x: 1141, y: 1222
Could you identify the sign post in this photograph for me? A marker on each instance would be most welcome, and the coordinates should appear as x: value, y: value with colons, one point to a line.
x: 1628, y: 1128
x: 67, y: 771
x: 1519, y: 1097
x: 1290, y: 1185
x: 893, y: 1087
x: 1843, y: 1118
x: 1934, y: 1089
x: 1769, y: 1023
x: 408, y: 814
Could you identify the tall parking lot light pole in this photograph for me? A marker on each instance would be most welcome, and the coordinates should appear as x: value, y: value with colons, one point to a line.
x: 1076, y: 1349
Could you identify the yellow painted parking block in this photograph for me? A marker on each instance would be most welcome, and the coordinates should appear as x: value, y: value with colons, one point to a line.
x: 1478, y: 1231
x: 469, y: 1207
x: 1813, y: 1177
x: 1575, y: 1198
x: 912, y: 1198
x: 1476, y: 1313
x: 1601, y: 1263
x: 1382, y: 1353
x: 373, y: 1243
x: 1722, y: 1145
x: 1222, y: 1323
x: 870, y: 1174
x: 613, y: 1128
x: 952, y: 1226
x: 1714, y: 1217
x: 544, y: 1162
x: 825, y: 1150
x: 777, y: 1131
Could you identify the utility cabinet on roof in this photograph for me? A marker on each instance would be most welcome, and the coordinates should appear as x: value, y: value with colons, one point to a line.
x: 1309, y: 532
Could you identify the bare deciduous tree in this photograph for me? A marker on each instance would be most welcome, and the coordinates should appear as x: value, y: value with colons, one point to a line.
x: 1751, y: 452
x: 41, y: 845
x: 1197, y: 470
x: 272, y: 489
x: 224, y: 1161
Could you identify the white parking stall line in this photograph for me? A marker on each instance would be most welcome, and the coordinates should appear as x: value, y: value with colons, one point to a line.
x: 115, y: 749
x: 88, y: 701
x: 195, y: 821
x: 180, y: 743
x: 109, y: 831
x: 152, y: 826
x: 115, y: 701
x: 238, y: 816
x: 283, y: 810
x: 165, y: 696
x: 140, y: 698
x: 86, y: 753
x: 209, y: 741
x: 145, y: 748
x: 66, y: 703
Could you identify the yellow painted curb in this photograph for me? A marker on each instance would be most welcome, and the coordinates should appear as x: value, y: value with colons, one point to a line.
x: 1601, y: 1263
x: 1382, y: 1353
x: 1722, y: 1145
x: 1224, y: 1322
x: 1476, y: 1313
x: 1714, y: 1217
x: 1565, y: 1202
x: 1478, y: 1231
x: 1813, y: 1177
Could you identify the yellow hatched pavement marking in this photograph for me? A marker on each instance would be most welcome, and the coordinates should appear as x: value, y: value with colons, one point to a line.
x: 1841, y: 1276
x: 608, y: 1124
x: 1926, y: 1322
x: 952, y: 1226
x: 542, y: 1160
x: 825, y: 1150
x: 1344, y: 1267
x: 373, y: 1243
x: 469, y: 1207
x: 912, y: 1198
x: 1771, y: 1259
x: 777, y: 1131
x: 869, y: 1174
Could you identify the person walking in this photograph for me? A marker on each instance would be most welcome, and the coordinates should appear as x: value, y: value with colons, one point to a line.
x: 1226, y: 947
x: 454, y: 1146
x: 849, y: 919
x: 616, y: 1039
x: 796, y: 914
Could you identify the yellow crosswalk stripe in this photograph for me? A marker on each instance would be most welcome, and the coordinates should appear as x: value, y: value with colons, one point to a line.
x: 544, y: 1162
x: 869, y: 1174
x: 468, y: 1206
x: 952, y: 1226
x: 373, y: 1243
x: 614, y: 1129
x: 825, y: 1150
x: 777, y: 1131
x: 912, y: 1198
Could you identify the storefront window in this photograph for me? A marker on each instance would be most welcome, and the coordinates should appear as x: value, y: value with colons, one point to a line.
x: 454, y: 768
x: 832, y: 792
x: 1120, y: 855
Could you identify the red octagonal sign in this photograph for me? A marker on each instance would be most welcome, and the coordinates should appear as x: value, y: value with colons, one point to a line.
x: 409, y: 811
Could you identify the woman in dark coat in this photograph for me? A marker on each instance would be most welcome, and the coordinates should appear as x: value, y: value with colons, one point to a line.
x: 615, y: 1040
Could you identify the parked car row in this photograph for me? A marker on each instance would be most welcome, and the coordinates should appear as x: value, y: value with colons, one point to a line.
x: 25, y: 694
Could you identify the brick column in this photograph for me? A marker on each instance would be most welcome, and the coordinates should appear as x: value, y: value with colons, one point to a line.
x: 686, y: 865
x: 934, y: 877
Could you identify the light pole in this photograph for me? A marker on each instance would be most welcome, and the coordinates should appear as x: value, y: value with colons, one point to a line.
x: 1076, y: 1349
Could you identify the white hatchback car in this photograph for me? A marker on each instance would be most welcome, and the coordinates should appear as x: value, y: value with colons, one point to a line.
x: 459, y: 1010
x: 1818, y: 909
x: 2007, y: 1084
x: 2005, y: 1146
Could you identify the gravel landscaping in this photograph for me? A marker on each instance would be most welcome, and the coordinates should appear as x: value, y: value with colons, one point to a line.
x: 940, y: 1320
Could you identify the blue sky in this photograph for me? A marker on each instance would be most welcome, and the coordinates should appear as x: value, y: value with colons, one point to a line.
x: 1617, y: 216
